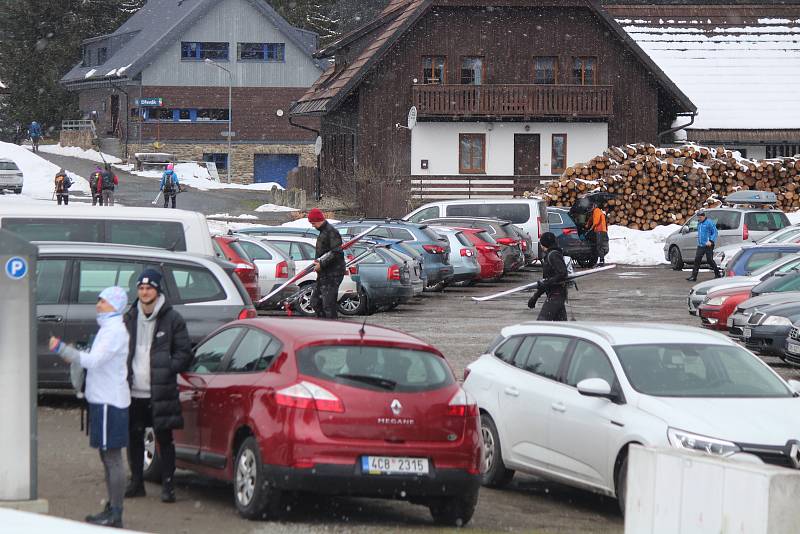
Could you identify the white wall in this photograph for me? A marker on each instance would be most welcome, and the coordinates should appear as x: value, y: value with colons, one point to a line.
x: 438, y: 143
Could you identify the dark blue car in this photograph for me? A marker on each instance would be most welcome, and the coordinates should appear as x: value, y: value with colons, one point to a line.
x: 568, y: 239
x: 752, y: 258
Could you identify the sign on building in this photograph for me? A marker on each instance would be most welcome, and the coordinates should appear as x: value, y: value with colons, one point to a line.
x: 150, y: 102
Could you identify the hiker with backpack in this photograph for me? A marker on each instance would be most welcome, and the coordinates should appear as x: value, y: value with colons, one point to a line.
x: 170, y: 185
x: 108, y: 183
x: 35, y: 133
x: 62, y: 184
x: 96, y: 186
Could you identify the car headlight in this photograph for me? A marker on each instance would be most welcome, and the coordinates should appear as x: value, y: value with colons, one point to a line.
x: 695, y: 442
x: 717, y: 301
x: 776, y: 320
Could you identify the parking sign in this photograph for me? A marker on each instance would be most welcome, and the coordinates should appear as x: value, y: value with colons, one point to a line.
x: 16, y: 268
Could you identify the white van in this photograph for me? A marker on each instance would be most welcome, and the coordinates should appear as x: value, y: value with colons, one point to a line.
x: 171, y: 229
x: 530, y: 214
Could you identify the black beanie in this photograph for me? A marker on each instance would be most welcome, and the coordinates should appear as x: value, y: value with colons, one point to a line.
x: 150, y: 277
x: 548, y: 240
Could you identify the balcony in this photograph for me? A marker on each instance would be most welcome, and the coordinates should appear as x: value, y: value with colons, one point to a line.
x: 514, y: 101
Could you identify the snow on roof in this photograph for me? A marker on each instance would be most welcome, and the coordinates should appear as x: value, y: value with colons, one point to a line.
x: 741, y: 75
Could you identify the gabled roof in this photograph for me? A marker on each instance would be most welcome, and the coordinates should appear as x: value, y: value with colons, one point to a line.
x: 333, y: 86
x: 740, y: 64
x: 157, y: 25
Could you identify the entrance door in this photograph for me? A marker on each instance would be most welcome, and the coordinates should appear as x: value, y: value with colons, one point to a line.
x: 526, y: 154
x: 114, y: 114
x: 274, y: 167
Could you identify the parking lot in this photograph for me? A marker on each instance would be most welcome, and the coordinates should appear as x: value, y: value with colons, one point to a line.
x: 458, y: 326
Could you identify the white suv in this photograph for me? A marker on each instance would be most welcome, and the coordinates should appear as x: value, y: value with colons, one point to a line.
x: 11, y: 178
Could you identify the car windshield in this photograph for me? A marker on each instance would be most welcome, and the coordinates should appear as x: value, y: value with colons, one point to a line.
x: 784, y: 266
x: 376, y: 367
x: 781, y: 236
x: 779, y: 284
x: 698, y: 370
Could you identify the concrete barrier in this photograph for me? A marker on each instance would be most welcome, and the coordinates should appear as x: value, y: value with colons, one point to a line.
x: 671, y: 491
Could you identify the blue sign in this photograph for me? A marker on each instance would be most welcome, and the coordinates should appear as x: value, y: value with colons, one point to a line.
x: 16, y: 268
x: 151, y: 102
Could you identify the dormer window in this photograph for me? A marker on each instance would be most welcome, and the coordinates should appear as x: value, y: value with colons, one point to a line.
x: 102, y: 55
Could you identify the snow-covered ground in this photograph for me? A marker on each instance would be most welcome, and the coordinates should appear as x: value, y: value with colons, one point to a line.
x: 197, y: 177
x: 638, y: 247
x: 274, y: 208
x: 76, y: 152
x: 39, y: 173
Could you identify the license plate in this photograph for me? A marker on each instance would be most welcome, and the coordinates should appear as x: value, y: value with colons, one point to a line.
x: 746, y: 333
x: 793, y: 348
x: 390, y: 465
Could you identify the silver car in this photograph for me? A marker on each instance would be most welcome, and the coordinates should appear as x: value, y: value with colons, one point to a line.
x: 11, y: 178
x: 463, y: 255
x: 735, y: 226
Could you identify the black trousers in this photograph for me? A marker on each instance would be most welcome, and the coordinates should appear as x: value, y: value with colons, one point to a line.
x: 62, y: 197
x: 708, y: 252
x: 168, y: 196
x: 324, y: 297
x: 141, y: 417
x: 97, y: 198
x: 554, y: 308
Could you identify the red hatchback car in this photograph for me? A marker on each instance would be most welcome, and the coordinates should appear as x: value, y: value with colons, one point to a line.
x: 719, y: 305
x: 281, y: 405
x: 246, y: 270
x: 489, y: 255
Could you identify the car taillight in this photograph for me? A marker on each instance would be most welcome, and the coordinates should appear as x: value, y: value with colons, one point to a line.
x: 568, y: 231
x: 305, y: 395
x: 282, y: 270
x: 245, y: 271
x: 731, y: 273
x: 539, y: 226
x: 466, y: 252
x: 524, y: 245
x: 247, y: 313
x: 506, y: 241
x: 393, y: 272
x: 353, y: 269
x: 745, y: 233
x: 434, y: 249
x: 462, y: 405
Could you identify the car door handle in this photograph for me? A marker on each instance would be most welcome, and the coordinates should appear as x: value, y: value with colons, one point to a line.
x: 559, y: 407
x: 511, y: 392
x: 50, y: 318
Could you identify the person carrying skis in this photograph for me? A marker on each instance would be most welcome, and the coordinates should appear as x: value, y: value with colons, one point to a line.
x: 329, y: 273
x: 170, y: 185
x: 35, y: 133
x: 108, y: 183
x: 62, y: 184
x: 553, y: 282
x: 108, y: 395
x: 598, y: 233
x: 96, y: 186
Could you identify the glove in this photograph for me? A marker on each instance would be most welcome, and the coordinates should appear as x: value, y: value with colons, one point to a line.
x: 532, y: 301
x: 56, y: 345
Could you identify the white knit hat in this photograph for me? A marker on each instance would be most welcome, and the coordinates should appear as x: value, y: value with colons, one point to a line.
x: 116, y: 296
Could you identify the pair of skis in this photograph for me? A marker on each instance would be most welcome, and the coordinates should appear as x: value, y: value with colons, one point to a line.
x: 532, y: 285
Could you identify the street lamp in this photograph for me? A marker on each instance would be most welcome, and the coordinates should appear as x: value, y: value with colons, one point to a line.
x: 230, y: 112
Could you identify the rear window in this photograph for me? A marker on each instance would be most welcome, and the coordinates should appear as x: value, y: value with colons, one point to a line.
x: 554, y: 218
x: 486, y: 237
x: 168, y: 235
x: 237, y: 248
x: 463, y: 239
x: 516, y: 213
x: 8, y: 166
x: 766, y: 221
x: 431, y: 234
x: 55, y: 229
x: 376, y: 368
x: 254, y: 251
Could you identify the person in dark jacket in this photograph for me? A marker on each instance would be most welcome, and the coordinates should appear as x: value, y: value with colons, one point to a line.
x: 330, y: 268
x: 62, y: 183
x: 553, y: 282
x: 159, y: 350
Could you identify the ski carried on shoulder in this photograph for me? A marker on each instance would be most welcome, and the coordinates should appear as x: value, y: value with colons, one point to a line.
x: 572, y: 276
x: 308, y: 270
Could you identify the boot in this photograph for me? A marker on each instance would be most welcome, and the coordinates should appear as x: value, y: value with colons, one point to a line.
x: 101, y: 516
x: 112, y: 519
x: 167, y: 490
x: 135, y: 488
x: 692, y: 279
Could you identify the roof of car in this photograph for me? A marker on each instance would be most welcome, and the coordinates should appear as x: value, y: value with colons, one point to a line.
x: 502, y: 222
x: 772, y: 246
x: 293, y: 230
x: 304, y: 331
x: 108, y: 249
x: 623, y: 333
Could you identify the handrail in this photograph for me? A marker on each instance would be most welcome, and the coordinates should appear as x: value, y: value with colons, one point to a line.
x: 79, y: 125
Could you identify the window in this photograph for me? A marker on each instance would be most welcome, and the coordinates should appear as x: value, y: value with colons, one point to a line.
x: 248, y: 356
x: 542, y: 355
x: 183, y: 114
x: 545, y: 70
x: 86, y: 60
x: 271, y: 52
x: 589, y: 361
x: 195, y: 284
x: 192, y: 51
x: 220, y: 160
x: 515, y: 213
x: 102, y: 55
x: 554, y: 218
x: 558, y: 160
x: 212, y: 114
x: 255, y: 252
x: 471, y: 153
x: 584, y: 71
x: 506, y: 351
x: 95, y: 276
x: 725, y: 220
x: 766, y: 221
x: 49, y: 280
x: 159, y: 234
x: 401, y: 233
x: 424, y: 215
x: 472, y: 70
x: 778, y: 151
x: 295, y: 251
x: 434, y: 70
x: 55, y: 229
x: 209, y: 355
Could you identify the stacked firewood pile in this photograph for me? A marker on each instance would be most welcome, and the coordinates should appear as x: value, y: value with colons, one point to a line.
x: 667, y: 185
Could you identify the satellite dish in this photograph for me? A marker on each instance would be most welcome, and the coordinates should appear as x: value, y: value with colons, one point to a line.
x: 412, y: 118
x: 318, y: 146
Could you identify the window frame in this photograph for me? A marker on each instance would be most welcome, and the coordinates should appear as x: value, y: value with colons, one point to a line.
x: 215, y: 157
x: 461, y: 168
x: 200, y: 46
x: 555, y: 70
x: 572, y: 355
x: 483, y: 69
x: 583, y: 61
x: 280, y: 53
x: 227, y: 360
x: 174, y: 291
x: 224, y: 361
x: 64, y: 295
x: 560, y: 376
x: 433, y: 58
x: 553, y: 168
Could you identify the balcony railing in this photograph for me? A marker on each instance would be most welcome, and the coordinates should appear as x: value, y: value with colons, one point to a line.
x: 526, y: 101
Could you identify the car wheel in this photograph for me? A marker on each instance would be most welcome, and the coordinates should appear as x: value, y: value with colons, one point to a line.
x: 622, y: 483
x: 255, y: 498
x: 18, y: 191
x: 495, y: 474
x: 675, y: 259
x: 587, y: 261
x: 152, y: 462
x: 354, y: 304
x: 454, y: 511
x: 437, y: 287
x: 303, y: 305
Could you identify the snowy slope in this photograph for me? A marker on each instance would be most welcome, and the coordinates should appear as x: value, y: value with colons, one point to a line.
x: 38, y: 172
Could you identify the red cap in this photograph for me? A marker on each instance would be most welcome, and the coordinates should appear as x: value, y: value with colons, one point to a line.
x: 315, y: 215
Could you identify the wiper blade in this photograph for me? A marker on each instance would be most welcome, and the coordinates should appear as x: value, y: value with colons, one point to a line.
x: 383, y: 383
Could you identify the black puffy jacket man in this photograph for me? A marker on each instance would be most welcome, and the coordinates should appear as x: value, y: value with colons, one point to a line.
x: 330, y: 269
x: 159, y: 350
x: 553, y: 282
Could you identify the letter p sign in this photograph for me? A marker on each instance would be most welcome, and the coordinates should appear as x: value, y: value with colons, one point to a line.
x: 16, y: 268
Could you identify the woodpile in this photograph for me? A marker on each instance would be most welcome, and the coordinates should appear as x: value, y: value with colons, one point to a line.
x: 658, y: 186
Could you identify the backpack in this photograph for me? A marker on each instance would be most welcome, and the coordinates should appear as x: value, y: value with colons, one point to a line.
x: 60, y: 180
x: 108, y: 180
x: 169, y: 183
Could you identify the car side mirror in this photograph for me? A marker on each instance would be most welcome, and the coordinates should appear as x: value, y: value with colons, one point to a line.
x: 595, y: 387
x: 685, y: 230
x: 795, y: 385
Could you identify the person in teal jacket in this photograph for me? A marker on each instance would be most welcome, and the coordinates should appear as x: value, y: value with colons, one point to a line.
x: 706, y: 240
x: 170, y: 185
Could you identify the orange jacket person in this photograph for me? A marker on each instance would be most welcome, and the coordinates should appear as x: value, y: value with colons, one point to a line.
x: 598, y: 233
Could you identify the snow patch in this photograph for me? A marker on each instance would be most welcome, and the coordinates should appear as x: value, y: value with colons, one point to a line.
x: 90, y: 73
x: 196, y: 176
x: 273, y: 208
x: 638, y: 247
x: 229, y: 216
x: 77, y: 152
x: 39, y: 174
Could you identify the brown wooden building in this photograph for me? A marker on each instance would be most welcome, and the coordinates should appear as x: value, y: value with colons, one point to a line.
x: 506, y: 94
